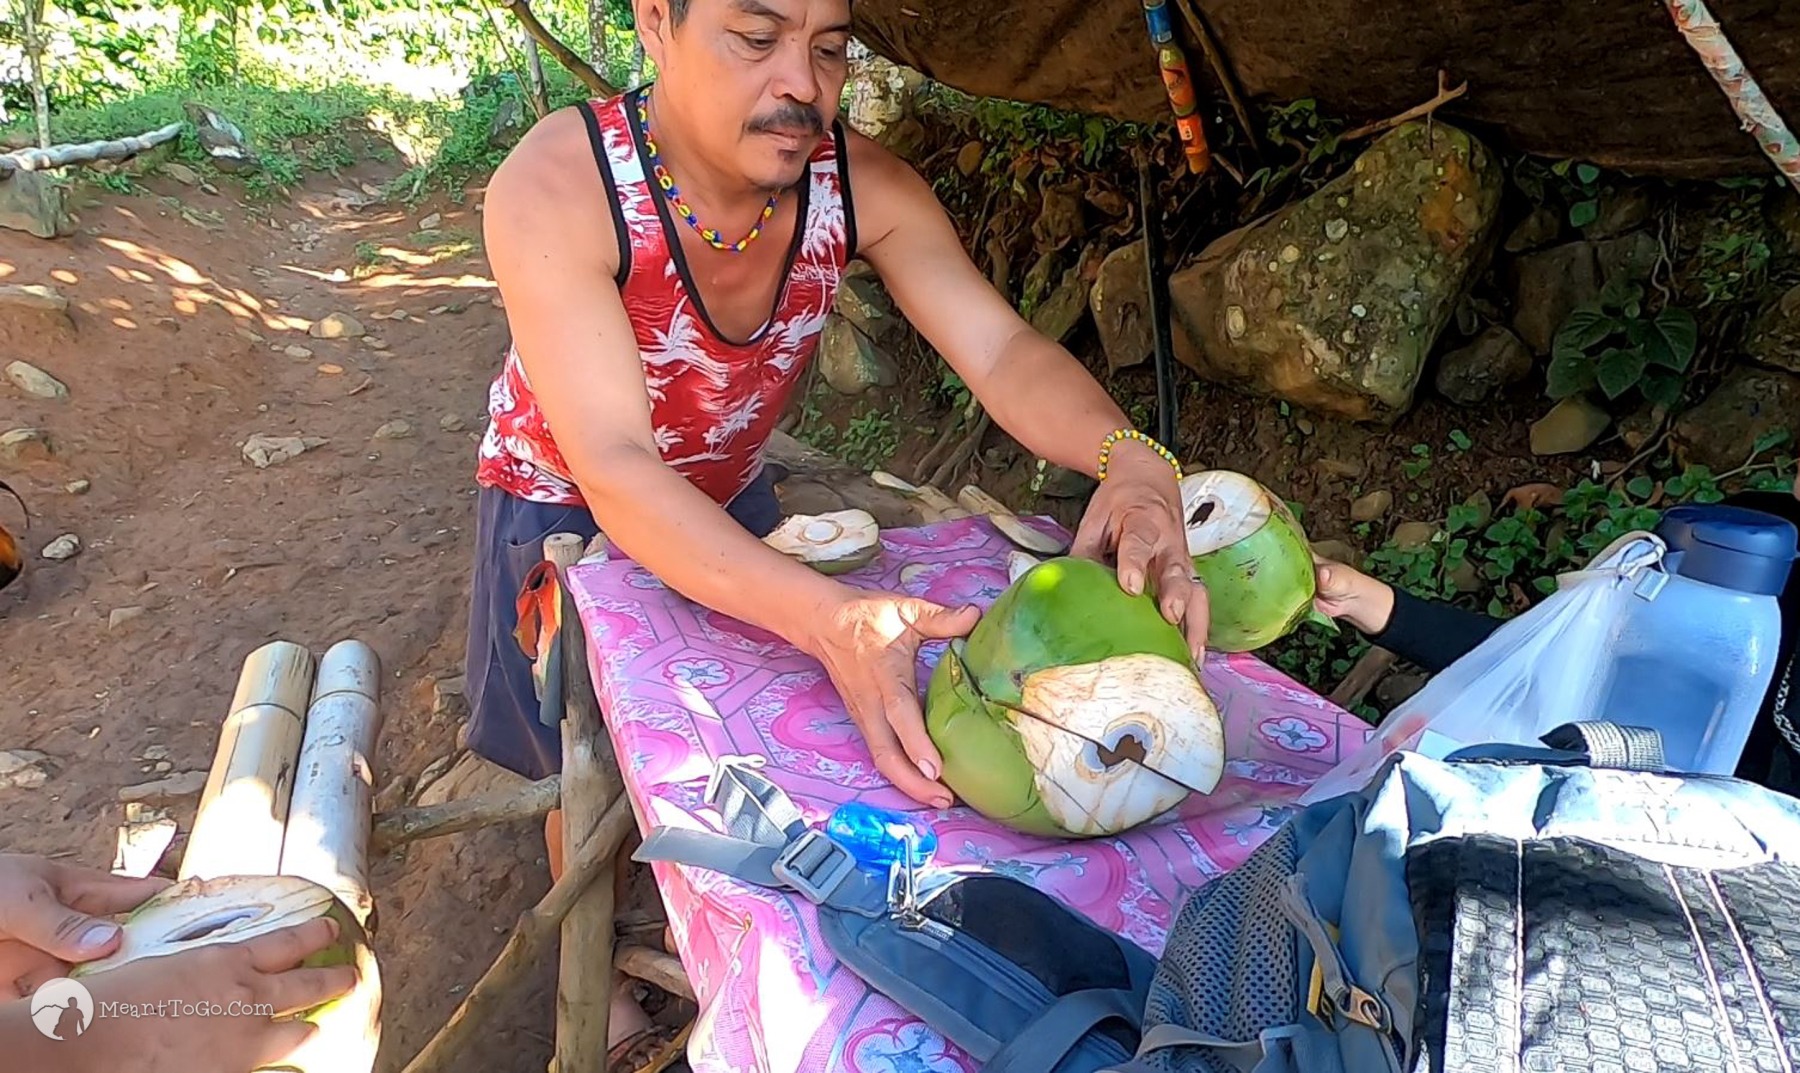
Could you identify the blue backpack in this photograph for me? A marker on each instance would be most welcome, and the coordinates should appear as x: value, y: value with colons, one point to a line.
x: 1570, y: 907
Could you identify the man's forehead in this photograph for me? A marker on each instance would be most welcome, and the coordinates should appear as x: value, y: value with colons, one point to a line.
x: 835, y: 14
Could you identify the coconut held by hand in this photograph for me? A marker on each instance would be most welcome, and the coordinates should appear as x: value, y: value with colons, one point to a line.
x: 1073, y: 708
x: 199, y: 912
x: 1252, y: 555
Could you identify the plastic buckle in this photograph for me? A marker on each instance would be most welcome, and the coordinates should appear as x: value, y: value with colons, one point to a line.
x: 814, y: 865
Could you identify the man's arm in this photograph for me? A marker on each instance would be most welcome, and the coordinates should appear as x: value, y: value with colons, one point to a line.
x: 1032, y: 386
x: 551, y: 244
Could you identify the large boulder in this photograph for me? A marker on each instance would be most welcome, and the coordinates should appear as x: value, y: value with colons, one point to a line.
x: 1775, y: 336
x: 1121, y: 306
x: 1334, y: 302
x: 1748, y: 405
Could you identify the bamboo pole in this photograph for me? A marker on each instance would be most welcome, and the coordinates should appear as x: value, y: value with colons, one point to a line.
x: 61, y: 156
x: 536, y: 929
x: 244, y: 808
x: 1751, y: 104
x: 327, y: 838
x: 402, y: 826
x: 591, y: 779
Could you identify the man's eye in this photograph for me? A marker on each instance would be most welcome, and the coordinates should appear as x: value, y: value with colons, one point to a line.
x: 758, y: 42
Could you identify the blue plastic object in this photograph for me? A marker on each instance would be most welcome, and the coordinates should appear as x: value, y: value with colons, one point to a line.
x: 1731, y: 547
x: 877, y: 837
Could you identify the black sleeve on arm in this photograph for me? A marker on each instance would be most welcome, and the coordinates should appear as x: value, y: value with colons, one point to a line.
x: 1430, y: 634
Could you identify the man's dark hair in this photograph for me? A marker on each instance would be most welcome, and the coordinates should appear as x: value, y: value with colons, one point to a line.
x: 677, y: 11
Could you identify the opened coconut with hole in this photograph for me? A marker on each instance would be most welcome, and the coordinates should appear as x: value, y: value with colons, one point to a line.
x: 1253, y: 557
x: 835, y: 542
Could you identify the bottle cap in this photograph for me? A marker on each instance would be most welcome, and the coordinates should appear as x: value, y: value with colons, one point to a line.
x: 1731, y: 547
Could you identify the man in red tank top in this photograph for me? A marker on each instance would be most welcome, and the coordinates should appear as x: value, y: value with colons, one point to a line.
x: 667, y: 260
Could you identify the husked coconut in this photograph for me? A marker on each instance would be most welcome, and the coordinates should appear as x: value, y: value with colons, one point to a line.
x: 835, y: 542
x: 1253, y: 557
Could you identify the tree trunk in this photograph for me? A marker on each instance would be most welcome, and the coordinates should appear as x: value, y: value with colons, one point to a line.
x: 33, y: 13
x: 597, y: 34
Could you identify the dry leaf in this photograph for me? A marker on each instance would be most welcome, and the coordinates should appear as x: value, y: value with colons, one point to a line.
x: 1533, y: 496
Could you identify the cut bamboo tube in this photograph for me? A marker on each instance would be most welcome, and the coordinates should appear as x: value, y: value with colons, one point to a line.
x: 591, y: 781
x: 244, y: 808
x: 327, y: 838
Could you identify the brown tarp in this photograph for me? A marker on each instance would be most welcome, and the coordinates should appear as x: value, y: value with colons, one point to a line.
x: 1609, y: 81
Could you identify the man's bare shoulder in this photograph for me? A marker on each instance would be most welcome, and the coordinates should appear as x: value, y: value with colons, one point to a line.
x: 888, y: 193
x: 549, y: 187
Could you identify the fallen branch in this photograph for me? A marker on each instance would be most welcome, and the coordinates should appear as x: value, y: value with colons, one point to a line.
x: 1368, y: 672
x: 653, y: 967
x: 1444, y: 96
x: 62, y: 156
x: 531, y: 802
x: 563, y: 53
x: 525, y: 949
x: 1216, y: 60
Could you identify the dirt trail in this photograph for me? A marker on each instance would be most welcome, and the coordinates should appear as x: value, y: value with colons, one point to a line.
x: 183, y: 307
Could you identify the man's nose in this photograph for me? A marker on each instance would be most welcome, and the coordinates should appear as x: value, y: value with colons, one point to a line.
x: 795, y: 76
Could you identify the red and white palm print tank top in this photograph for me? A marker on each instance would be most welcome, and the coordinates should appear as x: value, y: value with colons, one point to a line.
x: 713, y: 401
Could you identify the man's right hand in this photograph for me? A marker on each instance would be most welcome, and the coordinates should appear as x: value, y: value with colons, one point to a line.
x: 260, y: 972
x: 869, y: 642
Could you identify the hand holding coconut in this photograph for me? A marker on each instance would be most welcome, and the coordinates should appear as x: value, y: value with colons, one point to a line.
x: 52, y: 917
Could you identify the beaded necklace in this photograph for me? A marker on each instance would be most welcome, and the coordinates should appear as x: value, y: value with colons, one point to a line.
x: 667, y: 182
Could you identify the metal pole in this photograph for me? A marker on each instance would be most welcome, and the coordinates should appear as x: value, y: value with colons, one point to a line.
x: 1159, y: 306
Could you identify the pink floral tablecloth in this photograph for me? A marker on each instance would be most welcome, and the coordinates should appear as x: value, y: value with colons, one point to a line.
x: 682, y: 685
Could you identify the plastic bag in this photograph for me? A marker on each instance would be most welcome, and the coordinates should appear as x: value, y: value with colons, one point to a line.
x: 1536, y: 672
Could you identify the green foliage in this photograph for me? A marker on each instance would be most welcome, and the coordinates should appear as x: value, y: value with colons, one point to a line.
x: 1028, y: 125
x: 1734, y: 247
x: 1312, y: 141
x: 1612, y: 344
x: 1571, y: 188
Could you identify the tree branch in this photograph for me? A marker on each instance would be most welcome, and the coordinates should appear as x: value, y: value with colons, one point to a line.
x: 563, y: 53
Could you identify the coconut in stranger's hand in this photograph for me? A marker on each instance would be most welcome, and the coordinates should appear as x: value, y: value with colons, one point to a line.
x: 1075, y: 709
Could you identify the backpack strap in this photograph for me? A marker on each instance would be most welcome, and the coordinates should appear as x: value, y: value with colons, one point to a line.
x: 1611, y: 745
x: 1056, y: 1031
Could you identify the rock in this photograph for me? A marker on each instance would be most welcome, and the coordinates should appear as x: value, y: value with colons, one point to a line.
x: 1372, y: 507
x: 25, y: 445
x: 24, y: 769
x: 968, y: 158
x: 1334, y: 302
x: 1774, y: 337
x: 331, y: 368
x: 34, y: 381
x: 1349, y: 469
x: 1784, y: 216
x: 1632, y: 256
x: 850, y: 363
x: 1571, y: 425
x: 185, y: 784
x: 863, y: 301
x: 78, y: 487
x: 1621, y: 210
x: 299, y: 353
x: 63, y: 548
x: 431, y: 222
x: 32, y: 203
x: 1059, y: 221
x: 1411, y: 536
x: 1337, y: 551
x: 1636, y: 427
x: 181, y: 173
x: 1058, y: 314
x: 336, y: 326
x: 34, y: 298
x: 807, y: 496
x: 163, y: 767
x: 1061, y: 482
x: 1749, y: 404
x: 156, y: 752
x: 447, y: 696
x: 1397, y: 689
x: 394, y: 430
x: 120, y: 617
x: 1540, y: 228
x: 1475, y: 373
x: 1483, y: 506
x: 1547, y: 286
x: 1465, y: 577
x: 452, y: 423
x: 262, y: 450
x: 1120, y: 303
x: 374, y: 342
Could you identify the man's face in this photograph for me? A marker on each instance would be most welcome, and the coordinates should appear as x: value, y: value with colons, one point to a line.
x: 754, y: 84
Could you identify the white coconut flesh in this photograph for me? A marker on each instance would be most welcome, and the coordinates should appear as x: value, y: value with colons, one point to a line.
x: 1018, y: 564
x: 1119, y: 741
x: 1221, y: 508
x: 229, y: 909
x: 1025, y: 536
x: 834, y: 537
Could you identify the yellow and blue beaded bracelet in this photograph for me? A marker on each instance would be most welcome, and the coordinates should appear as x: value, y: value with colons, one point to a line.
x: 1116, y: 435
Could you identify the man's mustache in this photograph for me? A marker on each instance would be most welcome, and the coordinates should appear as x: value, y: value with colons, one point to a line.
x: 788, y: 119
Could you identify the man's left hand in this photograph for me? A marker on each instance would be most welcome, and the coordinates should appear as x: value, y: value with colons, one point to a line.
x: 1135, y: 520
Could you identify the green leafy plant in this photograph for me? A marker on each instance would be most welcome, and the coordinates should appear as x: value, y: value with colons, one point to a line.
x: 1611, y: 344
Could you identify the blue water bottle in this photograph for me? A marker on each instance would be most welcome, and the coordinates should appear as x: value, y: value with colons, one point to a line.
x: 879, y: 837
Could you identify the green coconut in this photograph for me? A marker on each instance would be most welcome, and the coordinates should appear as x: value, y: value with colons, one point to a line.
x: 835, y: 542
x: 1073, y: 709
x: 226, y: 909
x: 1253, y: 557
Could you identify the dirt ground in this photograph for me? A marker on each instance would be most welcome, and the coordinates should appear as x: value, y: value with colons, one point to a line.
x: 183, y: 304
